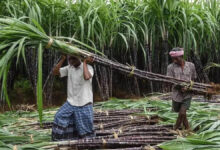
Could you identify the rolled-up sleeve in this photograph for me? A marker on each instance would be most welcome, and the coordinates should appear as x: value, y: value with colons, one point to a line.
x: 91, y: 70
x: 64, y: 71
x: 170, y: 71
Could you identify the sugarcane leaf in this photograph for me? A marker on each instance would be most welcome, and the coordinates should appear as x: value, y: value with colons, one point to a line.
x: 23, y: 55
x: 214, y: 125
x: 4, y: 60
x: 211, y: 65
x: 200, y: 142
x: 81, y: 43
x: 3, y: 46
x: 82, y: 27
x: 20, y: 47
x: 124, y: 39
x: 39, y: 83
x: 4, y: 86
x: 38, y: 26
x: 177, y: 145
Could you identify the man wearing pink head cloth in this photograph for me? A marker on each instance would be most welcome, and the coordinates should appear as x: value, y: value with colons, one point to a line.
x: 181, y: 98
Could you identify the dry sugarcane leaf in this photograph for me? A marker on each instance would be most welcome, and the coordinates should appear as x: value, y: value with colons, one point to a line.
x: 115, y: 135
x: 107, y: 113
x: 15, y: 147
x: 27, y: 119
x: 104, y: 142
x: 149, y: 148
x: 179, y: 133
x: 32, y: 139
x: 101, y: 126
x: 131, y: 117
x: 173, y: 131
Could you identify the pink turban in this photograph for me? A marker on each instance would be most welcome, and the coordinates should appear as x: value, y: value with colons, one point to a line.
x: 177, y: 53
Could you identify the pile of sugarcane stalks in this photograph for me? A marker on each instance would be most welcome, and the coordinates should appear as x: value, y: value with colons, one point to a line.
x: 121, y: 129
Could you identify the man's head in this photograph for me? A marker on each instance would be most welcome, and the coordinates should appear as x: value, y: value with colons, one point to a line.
x: 74, y: 61
x: 177, y: 55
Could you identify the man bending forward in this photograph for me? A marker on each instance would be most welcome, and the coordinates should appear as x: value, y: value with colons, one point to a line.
x: 75, y: 118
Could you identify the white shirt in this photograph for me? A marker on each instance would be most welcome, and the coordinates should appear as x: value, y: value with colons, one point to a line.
x: 79, y: 90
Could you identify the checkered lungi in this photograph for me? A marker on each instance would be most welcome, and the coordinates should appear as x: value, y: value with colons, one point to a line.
x: 73, y: 122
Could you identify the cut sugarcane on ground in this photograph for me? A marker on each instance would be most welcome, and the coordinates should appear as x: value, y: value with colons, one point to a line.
x: 120, y: 124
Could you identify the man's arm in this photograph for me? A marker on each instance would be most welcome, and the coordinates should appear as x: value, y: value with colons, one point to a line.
x: 87, y: 75
x: 194, y: 74
x: 170, y: 74
x: 56, y: 69
x: 193, y: 78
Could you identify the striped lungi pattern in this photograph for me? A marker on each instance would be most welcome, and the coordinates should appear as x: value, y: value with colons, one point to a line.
x: 73, y: 122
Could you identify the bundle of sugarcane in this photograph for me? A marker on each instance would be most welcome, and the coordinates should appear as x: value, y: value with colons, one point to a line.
x: 198, y: 88
x: 16, y: 35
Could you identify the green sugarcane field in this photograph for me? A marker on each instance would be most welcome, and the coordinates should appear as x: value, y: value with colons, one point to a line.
x: 109, y: 75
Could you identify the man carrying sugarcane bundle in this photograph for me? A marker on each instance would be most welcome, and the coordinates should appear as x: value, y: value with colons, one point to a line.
x: 181, y: 96
x: 74, y: 119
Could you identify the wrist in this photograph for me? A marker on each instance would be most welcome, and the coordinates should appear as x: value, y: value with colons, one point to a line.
x: 63, y: 60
